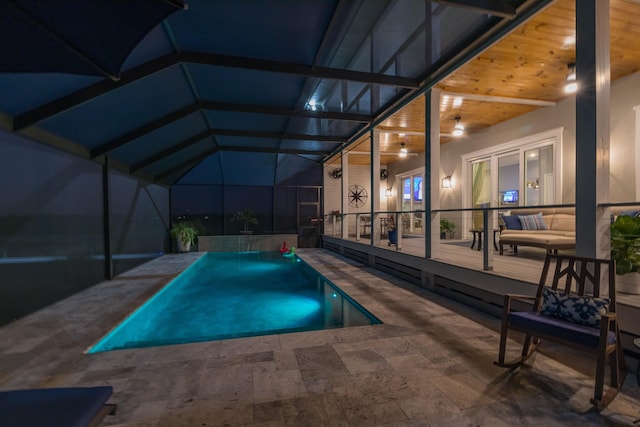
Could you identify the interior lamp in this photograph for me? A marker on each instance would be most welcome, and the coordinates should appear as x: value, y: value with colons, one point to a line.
x: 388, y: 192
x: 458, y: 129
x: 571, y: 85
x: 403, y: 150
x: 447, y: 182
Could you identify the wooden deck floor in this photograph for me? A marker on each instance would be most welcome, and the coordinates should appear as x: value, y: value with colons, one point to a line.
x: 525, y: 266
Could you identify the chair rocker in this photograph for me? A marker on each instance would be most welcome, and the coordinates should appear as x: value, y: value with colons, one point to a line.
x: 574, y: 315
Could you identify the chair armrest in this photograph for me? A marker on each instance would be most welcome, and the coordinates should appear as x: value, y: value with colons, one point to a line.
x: 506, y: 306
x: 608, y: 321
x: 509, y: 297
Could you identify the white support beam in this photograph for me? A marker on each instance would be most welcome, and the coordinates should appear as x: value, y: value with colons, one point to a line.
x: 344, y: 164
x: 375, y: 187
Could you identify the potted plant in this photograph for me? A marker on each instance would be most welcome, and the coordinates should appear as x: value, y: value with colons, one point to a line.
x: 446, y: 228
x: 625, y: 248
x: 185, y: 234
x: 245, y: 217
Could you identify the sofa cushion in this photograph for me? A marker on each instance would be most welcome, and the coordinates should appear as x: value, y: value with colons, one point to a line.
x: 583, y: 310
x: 553, y: 326
x: 512, y: 222
x: 550, y: 241
x: 52, y: 407
x: 533, y: 222
x: 563, y: 222
x: 567, y: 211
x: 541, y: 238
x: 539, y: 233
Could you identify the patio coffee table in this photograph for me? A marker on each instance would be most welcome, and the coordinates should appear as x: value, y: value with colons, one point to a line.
x: 477, y: 236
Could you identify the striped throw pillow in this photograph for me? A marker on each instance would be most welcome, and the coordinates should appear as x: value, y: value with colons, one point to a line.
x: 532, y: 222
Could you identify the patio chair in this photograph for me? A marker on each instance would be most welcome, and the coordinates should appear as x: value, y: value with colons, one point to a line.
x: 572, y: 313
x: 365, y: 221
x: 56, y: 407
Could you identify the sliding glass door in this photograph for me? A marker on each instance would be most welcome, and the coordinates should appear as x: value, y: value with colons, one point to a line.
x: 519, y: 173
x: 412, y: 195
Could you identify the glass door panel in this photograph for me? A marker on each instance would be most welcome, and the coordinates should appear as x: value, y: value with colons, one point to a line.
x: 508, y: 180
x: 480, y: 189
x: 406, y: 194
x: 406, y: 204
x: 412, y: 200
x: 416, y: 220
x: 539, y: 176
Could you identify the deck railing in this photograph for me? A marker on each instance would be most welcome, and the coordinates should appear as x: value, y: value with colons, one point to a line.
x: 472, y: 229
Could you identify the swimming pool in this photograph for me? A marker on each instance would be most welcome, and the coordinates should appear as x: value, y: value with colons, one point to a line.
x: 237, y: 294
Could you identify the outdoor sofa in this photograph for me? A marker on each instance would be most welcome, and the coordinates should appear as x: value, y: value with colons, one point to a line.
x: 548, y: 228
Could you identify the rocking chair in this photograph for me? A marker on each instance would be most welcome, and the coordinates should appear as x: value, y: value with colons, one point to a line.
x: 573, y: 314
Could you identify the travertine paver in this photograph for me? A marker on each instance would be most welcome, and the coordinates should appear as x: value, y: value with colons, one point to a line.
x: 430, y: 363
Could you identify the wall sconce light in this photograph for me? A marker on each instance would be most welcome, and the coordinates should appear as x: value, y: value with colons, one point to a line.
x: 388, y: 192
x: 403, y: 150
x: 447, y: 182
x: 571, y: 85
x: 458, y: 129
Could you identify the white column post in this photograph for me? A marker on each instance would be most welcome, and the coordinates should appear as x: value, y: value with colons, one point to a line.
x: 375, y: 187
x: 344, y: 164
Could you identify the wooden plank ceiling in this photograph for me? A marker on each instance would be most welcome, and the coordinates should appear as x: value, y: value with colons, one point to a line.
x: 523, y: 71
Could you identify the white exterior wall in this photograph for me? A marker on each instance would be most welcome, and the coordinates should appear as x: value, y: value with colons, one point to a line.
x: 358, y: 175
x: 331, y: 190
x: 625, y: 95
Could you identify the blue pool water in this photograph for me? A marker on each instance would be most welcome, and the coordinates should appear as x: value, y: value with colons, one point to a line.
x: 239, y: 294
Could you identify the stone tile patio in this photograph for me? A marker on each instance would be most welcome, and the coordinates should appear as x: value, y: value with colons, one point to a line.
x: 430, y: 363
